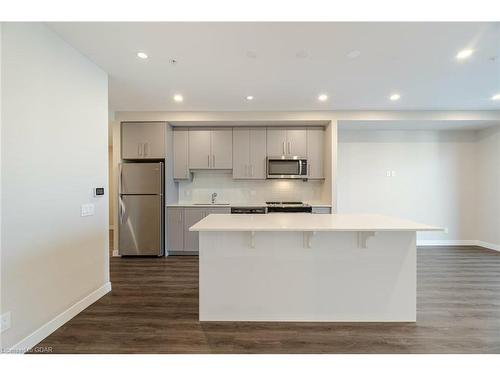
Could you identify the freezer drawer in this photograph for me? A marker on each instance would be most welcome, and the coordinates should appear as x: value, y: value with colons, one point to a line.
x: 141, y: 178
x: 141, y: 225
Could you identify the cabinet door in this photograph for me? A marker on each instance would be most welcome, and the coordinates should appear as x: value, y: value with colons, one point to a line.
x: 257, y: 153
x: 143, y: 140
x: 315, y: 152
x: 199, y: 149
x: 191, y: 217
x: 131, y: 140
x: 180, y: 141
x: 296, y: 142
x: 217, y: 210
x: 153, y: 139
x: 222, y: 149
x: 276, y: 142
x: 241, y: 153
x: 175, y: 229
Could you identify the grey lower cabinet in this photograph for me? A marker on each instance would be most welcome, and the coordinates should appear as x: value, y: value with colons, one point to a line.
x: 175, y: 229
x: 179, y: 219
x: 191, y: 217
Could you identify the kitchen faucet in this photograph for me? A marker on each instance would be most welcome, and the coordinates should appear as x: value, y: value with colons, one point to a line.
x: 214, y: 195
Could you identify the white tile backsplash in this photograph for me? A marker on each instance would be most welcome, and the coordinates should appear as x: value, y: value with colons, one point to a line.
x: 204, y: 183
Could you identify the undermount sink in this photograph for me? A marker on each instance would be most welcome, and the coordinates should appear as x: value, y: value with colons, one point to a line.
x: 211, y: 204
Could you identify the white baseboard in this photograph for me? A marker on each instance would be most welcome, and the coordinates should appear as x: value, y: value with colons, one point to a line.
x: 446, y: 243
x: 41, y: 333
x: 486, y: 245
x: 116, y: 253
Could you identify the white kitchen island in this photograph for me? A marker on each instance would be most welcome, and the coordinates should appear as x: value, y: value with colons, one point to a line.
x: 306, y: 267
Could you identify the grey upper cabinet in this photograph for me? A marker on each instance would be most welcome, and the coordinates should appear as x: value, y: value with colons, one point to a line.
x: 287, y: 142
x: 210, y: 149
x: 222, y: 149
x: 241, y: 153
x: 276, y: 141
x: 181, y: 154
x: 296, y: 142
x: 315, y: 153
x: 143, y: 140
x: 258, y: 153
x: 249, y: 153
x: 175, y: 229
x: 199, y: 149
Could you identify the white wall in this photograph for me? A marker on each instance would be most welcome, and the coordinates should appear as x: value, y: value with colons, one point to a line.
x: 435, y: 181
x: 488, y: 198
x: 54, y: 151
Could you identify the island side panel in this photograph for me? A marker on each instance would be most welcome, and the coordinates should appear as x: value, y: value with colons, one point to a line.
x: 332, y: 281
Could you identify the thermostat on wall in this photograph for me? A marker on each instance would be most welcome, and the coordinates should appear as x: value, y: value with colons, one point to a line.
x: 98, y: 191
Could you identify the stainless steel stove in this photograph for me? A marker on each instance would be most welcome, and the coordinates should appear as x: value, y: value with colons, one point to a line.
x: 288, y: 207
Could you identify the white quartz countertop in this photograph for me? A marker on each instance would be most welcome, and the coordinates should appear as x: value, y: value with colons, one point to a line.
x: 289, y: 222
x: 261, y: 204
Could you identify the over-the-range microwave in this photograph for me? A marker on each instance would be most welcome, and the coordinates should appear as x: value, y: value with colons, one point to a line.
x: 287, y: 167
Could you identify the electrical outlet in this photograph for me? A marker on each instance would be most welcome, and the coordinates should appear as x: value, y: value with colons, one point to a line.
x: 388, y: 173
x: 393, y: 173
x: 5, y: 321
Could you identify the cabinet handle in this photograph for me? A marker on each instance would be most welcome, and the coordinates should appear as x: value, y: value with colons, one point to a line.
x: 139, y: 149
x: 246, y: 170
x: 251, y: 170
x: 284, y: 152
x: 208, y: 156
x: 146, y: 149
x: 213, y: 161
x: 289, y: 148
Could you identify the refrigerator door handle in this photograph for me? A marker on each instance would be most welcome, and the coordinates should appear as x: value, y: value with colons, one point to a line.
x: 121, y: 210
x: 120, y: 188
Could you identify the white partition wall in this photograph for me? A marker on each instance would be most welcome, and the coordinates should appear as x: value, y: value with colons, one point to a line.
x: 54, y: 152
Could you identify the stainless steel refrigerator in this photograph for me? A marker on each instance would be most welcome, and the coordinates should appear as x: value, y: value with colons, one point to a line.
x: 141, y: 209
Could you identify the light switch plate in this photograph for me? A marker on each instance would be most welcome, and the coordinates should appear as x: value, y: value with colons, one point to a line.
x: 5, y: 322
x: 87, y: 209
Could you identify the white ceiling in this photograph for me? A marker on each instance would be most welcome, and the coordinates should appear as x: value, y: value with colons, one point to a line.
x: 285, y: 66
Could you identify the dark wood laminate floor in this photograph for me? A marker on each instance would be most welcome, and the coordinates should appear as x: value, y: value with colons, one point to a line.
x: 153, y: 308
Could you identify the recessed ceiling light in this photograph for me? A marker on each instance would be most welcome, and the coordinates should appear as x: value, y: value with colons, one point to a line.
x: 178, y: 98
x: 142, y: 55
x: 495, y: 97
x: 249, y: 97
x: 394, y: 97
x: 323, y: 98
x: 465, y: 53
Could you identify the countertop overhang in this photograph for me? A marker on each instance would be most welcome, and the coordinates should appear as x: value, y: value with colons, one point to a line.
x: 294, y: 222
